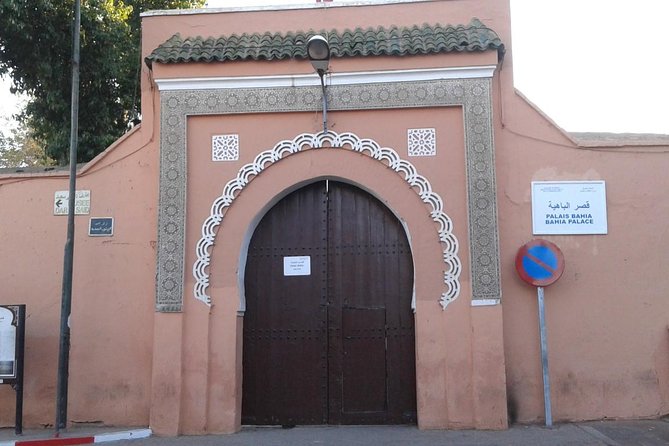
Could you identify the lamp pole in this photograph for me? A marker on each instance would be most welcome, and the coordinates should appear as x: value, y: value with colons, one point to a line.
x: 66, y: 298
x: 321, y: 74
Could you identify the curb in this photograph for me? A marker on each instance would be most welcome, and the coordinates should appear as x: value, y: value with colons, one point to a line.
x: 69, y: 441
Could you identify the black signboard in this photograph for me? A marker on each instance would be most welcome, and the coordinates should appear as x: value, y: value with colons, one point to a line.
x: 101, y: 227
x: 12, y: 341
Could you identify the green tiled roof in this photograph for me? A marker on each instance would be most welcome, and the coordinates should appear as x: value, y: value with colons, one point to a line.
x: 394, y: 41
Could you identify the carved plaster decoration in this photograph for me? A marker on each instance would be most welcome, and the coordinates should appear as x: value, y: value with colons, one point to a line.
x: 422, y: 142
x: 225, y: 147
x: 472, y: 94
x: 333, y: 141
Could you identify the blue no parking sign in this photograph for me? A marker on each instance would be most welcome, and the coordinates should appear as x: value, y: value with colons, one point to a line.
x: 539, y: 262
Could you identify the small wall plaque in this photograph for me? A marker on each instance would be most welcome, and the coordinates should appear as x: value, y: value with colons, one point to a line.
x: 101, y: 227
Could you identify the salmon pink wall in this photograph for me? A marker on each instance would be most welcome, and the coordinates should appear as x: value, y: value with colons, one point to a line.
x: 619, y: 362
x: 113, y: 290
x: 607, y: 316
x: 181, y: 373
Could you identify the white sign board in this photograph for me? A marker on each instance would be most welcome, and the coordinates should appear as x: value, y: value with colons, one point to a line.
x: 297, y: 266
x: 82, y: 202
x: 7, y: 344
x: 569, y: 207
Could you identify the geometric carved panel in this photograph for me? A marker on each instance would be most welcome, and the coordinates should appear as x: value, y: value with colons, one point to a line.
x: 422, y: 142
x: 225, y: 147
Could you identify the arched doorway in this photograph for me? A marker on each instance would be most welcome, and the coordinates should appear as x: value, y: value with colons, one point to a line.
x: 328, y: 328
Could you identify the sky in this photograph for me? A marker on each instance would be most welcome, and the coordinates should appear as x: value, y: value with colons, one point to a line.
x: 590, y: 65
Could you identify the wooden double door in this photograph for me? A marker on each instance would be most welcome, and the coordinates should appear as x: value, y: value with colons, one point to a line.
x: 328, y: 327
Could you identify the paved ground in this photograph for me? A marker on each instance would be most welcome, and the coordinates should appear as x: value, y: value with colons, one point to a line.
x: 603, y: 433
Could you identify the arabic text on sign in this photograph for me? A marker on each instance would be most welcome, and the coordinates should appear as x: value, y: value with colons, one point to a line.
x: 101, y: 226
x: 569, y: 207
x: 82, y: 202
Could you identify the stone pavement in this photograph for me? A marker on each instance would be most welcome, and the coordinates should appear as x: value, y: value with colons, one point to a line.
x: 596, y: 433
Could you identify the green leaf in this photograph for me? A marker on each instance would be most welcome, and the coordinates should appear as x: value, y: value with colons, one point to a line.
x: 36, y: 49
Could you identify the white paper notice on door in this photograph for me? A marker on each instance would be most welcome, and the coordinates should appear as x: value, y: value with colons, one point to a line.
x: 297, y: 266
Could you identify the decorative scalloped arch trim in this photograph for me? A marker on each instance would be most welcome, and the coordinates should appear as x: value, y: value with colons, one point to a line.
x: 335, y: 141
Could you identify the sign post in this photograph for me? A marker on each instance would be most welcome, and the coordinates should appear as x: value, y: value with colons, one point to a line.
x: 541, y: 263
x: 12, y: 342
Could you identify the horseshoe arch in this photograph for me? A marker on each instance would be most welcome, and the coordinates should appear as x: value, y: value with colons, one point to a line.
x: 330, y: 141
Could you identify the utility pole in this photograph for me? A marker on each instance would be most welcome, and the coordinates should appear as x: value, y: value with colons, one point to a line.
x: 66, y: 299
